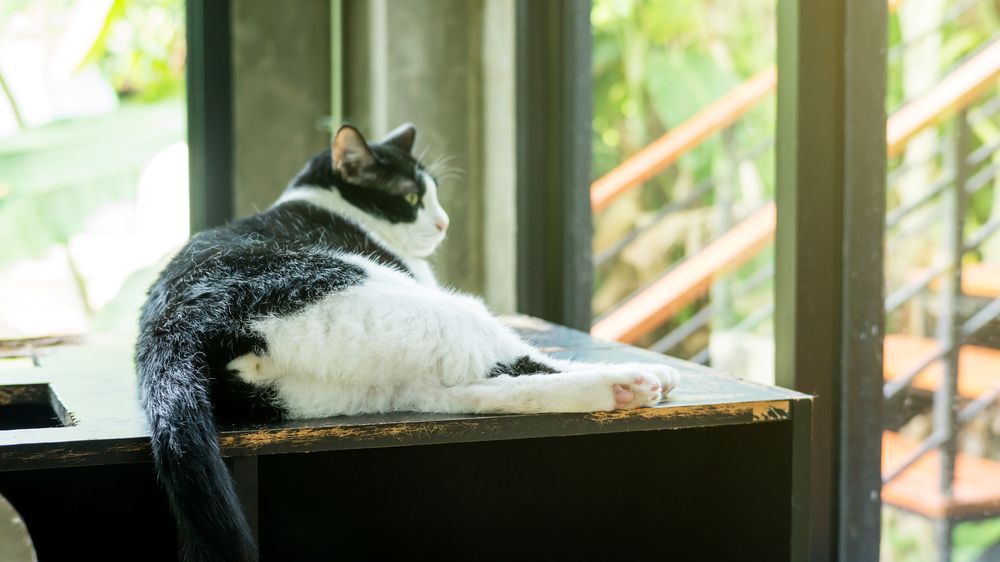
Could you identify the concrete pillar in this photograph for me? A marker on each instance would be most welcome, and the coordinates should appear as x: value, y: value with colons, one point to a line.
x: 445, y: 65
x: 448, y: 67
x: 281, y: 94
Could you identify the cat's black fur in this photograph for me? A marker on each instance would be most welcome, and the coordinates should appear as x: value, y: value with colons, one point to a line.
x: 386, y: 202
x: 394, y: 171
x: 198, y: 315
x: 523, y: 365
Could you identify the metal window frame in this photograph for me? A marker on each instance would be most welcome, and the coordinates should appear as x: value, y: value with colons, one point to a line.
x: 553, y: 112
x: 209, y: 112
x: 829, y: 318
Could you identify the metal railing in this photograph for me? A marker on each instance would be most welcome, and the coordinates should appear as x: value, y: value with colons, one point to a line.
x: 957, y: 104
x: 654, y: 304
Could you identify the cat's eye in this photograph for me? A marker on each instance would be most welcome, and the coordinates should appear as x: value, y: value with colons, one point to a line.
x: 412, y: 199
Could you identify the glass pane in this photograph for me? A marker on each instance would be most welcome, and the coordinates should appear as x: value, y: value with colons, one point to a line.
x: 942, y: 349
x: 93, y: 162
x: 684, y: 159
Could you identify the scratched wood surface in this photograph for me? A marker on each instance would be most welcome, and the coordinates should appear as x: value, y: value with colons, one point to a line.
x: 94, y: 385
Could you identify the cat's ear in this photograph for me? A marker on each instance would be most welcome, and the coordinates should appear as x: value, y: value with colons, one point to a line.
x: 350, y: 152
x: 402, y: 137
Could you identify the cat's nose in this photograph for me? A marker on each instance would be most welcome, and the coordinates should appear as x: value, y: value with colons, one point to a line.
x: 442, y: 225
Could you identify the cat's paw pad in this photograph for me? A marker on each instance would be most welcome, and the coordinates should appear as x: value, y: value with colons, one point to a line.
x: 641, y: 390
x: 249, y: 367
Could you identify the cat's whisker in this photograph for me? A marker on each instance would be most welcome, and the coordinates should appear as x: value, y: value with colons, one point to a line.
x: 423, y: 153
x: 445, y: 159
x: 450, y: 177
x: 440, y: 167
x: 449, y: 172
x: 452, y: 169
x: 434, y: 165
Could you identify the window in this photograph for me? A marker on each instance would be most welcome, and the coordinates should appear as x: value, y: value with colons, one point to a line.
x: 684, y: 165
x: 93, y: 163
x: 942, y: 272
x: 683, y: 154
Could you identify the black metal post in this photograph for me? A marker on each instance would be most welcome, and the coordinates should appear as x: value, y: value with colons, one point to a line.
x: 554, y: 268
x: 950, y: 328
x: 209, y: 112
x: 828, y: 282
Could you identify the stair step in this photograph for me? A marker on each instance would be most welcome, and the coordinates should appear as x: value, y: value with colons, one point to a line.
x: 978, y: 280
x: 976, y: 490
x: 981, y: 280
x: 978, y: 367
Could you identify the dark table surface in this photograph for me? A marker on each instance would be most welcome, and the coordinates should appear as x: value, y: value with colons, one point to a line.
x: 96, y: 385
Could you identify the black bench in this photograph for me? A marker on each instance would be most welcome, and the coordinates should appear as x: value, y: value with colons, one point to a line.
x: 718, y: 472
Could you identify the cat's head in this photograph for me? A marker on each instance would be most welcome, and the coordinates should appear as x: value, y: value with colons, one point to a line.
x: 387, y: 183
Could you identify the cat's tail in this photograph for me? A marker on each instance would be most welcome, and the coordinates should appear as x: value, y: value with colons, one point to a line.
x: 174, y: 386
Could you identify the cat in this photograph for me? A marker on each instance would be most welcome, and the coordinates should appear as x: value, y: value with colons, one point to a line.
x: 324, y: 305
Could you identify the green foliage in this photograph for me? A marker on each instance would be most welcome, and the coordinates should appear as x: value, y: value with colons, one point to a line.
x: 974, y: 538
x: 141, y: 48
x: 655, y: 65
x: 909, y: 538
x: 658, y: 63
x: 964, y: 31
x: 53, y: 178
x: 99, y: 48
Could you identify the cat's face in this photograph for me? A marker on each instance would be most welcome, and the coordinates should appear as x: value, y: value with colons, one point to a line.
x: 386, y: 181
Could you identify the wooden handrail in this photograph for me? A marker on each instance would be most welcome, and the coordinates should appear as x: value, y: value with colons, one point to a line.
x: 948, y: 96
x: 665, y: 150
x: 689, y: 280
x: 693, y: 277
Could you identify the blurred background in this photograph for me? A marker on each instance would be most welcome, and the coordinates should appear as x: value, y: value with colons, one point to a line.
x: 94, y: 197
x: 684, y: 121
x: 93, y: 160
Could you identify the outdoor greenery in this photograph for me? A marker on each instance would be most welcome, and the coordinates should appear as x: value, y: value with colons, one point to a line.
x: 963, y: 27
x: 58, y: 175
x: 141, y: 49
x: 656, y: 64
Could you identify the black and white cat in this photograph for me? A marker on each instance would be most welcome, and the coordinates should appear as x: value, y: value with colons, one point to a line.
x: 325, y: 305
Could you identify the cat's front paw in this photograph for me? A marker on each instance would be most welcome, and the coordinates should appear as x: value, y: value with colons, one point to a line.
x: 638, y: 390
x: 251, y: 367
x: 668, y: 376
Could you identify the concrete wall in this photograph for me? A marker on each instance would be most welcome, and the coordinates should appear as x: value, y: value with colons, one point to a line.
x: 445, y: 65
x: 281, y: 94
x: 448, y: 67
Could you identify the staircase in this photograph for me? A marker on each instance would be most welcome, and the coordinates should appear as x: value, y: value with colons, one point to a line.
x: 975, y: 492
x: 978, y: 371
x: 913, y: 364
